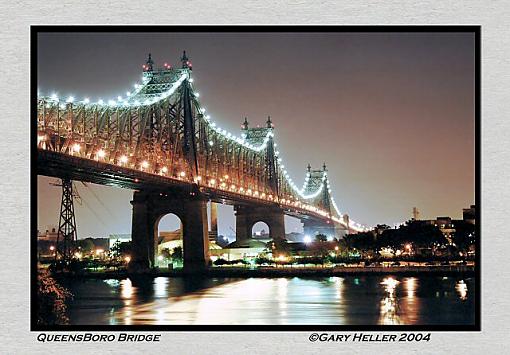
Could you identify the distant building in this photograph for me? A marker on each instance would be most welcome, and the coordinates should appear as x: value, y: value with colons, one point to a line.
x: 447, y: 224
x: 469, y: 214
x: 48, y: 235
x: 47, y: 243
x: 249, y: 248
x: 261, y: 235
x: 169, y: 240
x: 122, y: 238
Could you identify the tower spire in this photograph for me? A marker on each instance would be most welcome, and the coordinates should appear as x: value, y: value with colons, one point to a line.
x: 185, y: 61
x: 269, y: 123
x: 245, y: 123
x: 324, y: 167
x: 149, y: 63
x: 309, y: 168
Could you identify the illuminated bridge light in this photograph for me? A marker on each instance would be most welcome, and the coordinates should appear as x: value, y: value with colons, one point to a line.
x: 143, y: 94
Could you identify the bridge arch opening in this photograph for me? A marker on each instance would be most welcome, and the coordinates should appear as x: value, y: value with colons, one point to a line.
x: 168, y: 232
x: 261, y: 230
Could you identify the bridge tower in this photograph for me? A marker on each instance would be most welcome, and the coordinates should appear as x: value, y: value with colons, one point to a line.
x: 273, y: 216
x: 66, y: 236
x: 187, y: 202
x: 189, y: 143
x: 313, y: 226
x: 271, y: 167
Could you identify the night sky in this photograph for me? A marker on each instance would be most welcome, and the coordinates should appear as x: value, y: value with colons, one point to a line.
x: 391, y: 114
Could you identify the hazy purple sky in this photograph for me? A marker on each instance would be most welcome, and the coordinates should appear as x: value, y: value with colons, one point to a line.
x: 392, y: 114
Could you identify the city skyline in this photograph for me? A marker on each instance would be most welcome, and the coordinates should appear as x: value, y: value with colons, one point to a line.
x: 411, y: 145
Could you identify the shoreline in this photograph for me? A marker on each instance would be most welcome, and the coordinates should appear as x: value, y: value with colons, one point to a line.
x: 241, y: 272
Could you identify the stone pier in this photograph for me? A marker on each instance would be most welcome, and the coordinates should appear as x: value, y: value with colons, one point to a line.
x: 148, y: 208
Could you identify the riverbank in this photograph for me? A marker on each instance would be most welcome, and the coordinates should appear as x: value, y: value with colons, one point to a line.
x: 464, y: 270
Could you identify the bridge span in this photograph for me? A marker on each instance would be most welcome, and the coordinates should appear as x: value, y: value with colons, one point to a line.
x: 159, y: 141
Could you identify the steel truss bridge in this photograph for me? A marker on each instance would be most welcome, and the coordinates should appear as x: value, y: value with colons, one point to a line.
x: 159, y: 140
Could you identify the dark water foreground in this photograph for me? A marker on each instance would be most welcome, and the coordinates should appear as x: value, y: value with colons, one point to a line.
x: 348, y: 300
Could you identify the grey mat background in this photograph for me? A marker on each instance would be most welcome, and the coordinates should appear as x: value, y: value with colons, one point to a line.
x: 15, y: 18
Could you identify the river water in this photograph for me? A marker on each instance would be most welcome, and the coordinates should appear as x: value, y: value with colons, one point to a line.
x: 350, y: 300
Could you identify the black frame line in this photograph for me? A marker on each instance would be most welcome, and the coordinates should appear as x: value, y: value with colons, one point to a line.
x: 36, y: 29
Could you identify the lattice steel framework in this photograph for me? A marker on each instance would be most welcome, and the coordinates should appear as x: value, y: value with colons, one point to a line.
x: 66, y: 236
x: 162, y: 128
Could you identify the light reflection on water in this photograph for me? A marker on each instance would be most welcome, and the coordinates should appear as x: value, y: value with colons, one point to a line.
x: 389, y: 304
x: 331, y: 300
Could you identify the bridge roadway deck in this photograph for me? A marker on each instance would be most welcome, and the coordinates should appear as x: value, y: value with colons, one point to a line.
x: 60, y: 165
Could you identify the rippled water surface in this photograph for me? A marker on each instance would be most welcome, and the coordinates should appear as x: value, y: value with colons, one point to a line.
x: 330, y: 300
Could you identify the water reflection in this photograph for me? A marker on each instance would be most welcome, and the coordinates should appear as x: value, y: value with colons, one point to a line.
x: 410, y: 284
x: 330, y: 300
x: 462, y: 290
x: 411, y: 304
x: 389, y: 304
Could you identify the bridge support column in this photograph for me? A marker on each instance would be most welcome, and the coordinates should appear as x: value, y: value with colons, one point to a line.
x: 143, y: 243
x: 195, y: 240
x: 247, y: 216
x: 148, y: 208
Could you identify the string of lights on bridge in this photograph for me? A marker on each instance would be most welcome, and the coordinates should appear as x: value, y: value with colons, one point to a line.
x: 126, y: 102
